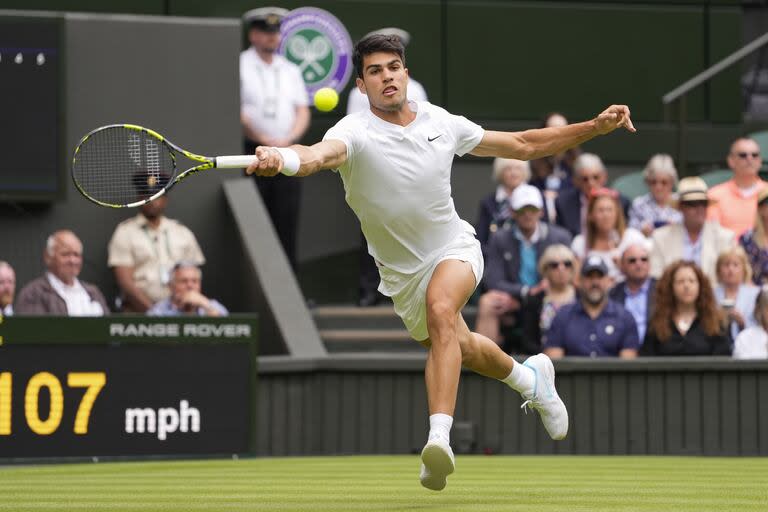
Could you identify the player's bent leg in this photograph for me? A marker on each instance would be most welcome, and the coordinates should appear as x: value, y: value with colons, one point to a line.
x: 534, y: 379
x: 450, y: 287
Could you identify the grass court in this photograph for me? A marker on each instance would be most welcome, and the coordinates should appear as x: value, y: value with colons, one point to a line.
x: 390, y: 483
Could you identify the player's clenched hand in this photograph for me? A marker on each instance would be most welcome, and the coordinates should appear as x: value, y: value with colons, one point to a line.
x: 269, y: 162
x: 615, y: 116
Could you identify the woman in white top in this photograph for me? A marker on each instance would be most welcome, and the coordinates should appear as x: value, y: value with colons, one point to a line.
x: 735, y: 293
x: 752, y: 342
x: 606, y: 232
x: 654, y: 209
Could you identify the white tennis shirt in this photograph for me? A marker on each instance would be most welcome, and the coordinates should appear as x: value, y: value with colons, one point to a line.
x: 398, y: 181
x: 270, y: 93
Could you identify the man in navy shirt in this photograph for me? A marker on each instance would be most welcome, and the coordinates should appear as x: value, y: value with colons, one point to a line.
x: 593, y: 326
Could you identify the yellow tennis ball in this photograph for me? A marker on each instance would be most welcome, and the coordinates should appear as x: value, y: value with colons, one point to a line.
x: 326, y: 99
x: 152, y: 181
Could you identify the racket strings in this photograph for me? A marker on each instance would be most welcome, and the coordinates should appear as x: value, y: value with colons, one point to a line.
x: 121, y: 166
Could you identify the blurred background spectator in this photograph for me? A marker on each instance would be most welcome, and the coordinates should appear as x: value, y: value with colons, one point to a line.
x: 694, y: 239
x: 636, y: 292
x: 558, y: 266
x: 655, y: 209
x: 594, y: 325
x: 685, y: 319
x: 142, y: 252
x: 553, y: 173
x: 735, y: 201
x: 735, y: 293
x: 752, y: 342
x: 511, y: 273
x: 7, y: 288
x: 59, y: 291
x: 606, y: 232
x: 186, y: 295
x: 495, y: 209
x: 755, y: 240
x: 588, y: 173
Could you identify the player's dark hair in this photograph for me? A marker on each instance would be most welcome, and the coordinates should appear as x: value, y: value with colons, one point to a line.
x: 373, y: 44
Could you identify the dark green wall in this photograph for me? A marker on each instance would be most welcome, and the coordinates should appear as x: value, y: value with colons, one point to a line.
x: 512, y: 60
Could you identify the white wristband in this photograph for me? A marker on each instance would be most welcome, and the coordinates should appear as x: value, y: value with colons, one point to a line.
x: 291, y: 161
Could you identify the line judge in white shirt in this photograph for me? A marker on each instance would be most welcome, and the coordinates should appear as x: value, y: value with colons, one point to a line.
x: 395, y: 161
x: 274, y: 111
x: 59, y: 292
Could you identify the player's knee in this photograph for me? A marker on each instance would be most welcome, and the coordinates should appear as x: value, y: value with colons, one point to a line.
x: 440, y: 310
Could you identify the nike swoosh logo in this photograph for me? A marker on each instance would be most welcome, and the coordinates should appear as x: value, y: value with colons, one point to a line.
x: 430, y: 139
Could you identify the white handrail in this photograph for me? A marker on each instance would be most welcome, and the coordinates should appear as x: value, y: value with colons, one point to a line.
x: 715, y: 69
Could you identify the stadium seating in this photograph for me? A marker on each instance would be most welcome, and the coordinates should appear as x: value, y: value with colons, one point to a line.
x: 717, y: 177
x: 631, y: 185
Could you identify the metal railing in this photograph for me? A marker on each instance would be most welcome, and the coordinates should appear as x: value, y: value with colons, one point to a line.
x: 680, y: 93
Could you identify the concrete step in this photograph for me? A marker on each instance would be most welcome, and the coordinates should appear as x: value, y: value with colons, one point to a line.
x: 377, y: 317
x: 372, y: 329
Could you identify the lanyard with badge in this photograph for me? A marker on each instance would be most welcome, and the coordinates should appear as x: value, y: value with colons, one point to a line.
x: 269, y: 108
x: 164, y: 271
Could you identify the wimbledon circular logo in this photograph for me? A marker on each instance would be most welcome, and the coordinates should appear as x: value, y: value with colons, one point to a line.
x: 317, y: 42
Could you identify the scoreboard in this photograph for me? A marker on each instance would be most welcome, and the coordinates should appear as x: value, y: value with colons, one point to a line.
x: 126, y: 398
x: 31, y: 99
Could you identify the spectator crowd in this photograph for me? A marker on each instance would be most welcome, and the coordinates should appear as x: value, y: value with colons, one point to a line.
x: 574, y: 268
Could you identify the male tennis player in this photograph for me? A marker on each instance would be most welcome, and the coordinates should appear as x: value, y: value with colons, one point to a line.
x: 395, y: 161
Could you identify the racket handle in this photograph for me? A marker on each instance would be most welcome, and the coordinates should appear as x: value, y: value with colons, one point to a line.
x: 234, y: 161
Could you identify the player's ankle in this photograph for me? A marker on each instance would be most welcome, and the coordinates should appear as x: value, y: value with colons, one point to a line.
x: 522, y: 379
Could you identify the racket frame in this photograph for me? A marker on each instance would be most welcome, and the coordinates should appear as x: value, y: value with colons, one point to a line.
x: 205, y: 164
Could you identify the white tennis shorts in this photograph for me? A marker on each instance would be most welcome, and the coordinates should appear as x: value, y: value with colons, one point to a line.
x: 409, y: 291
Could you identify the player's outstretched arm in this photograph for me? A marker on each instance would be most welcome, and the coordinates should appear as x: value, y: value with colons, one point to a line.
x: 328, y: 154
x: 543, y: 142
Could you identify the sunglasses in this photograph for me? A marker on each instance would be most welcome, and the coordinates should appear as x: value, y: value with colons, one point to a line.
x: 552, y: 265
x: 744, y: 154
x: 694, y: 204
x: 653, y: 182
x: 634, y: 260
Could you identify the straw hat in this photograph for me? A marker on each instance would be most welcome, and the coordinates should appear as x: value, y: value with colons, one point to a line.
x: 692, y: 189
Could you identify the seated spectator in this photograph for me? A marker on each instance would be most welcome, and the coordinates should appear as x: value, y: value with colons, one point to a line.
x: 594, y: 325
x: 558, y: 268
x: 571, y: 204
x: 685, y: 319
x: 59, y: 291
x: 752, y: 342
x: 186, y: 297
x: 695, y: 239
x: 734, y: 203
x: 508, y: 174
x: 144, y: 249
x: 511, y: 274
x: 553, y: 173
x: 7, y: 288
x: 755, y: 241
x: 735, y: 293
x: 636, y: 292
x: 654, y: 209
x: 606, y: 234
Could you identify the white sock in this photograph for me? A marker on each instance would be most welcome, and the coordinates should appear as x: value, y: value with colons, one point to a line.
x: 440, y: 426
x: 521, y: 378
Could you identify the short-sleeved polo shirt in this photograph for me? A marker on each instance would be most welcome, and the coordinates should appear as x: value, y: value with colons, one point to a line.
x: 578, y: 334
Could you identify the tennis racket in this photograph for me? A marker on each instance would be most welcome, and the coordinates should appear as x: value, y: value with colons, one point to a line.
x: 124, y: 165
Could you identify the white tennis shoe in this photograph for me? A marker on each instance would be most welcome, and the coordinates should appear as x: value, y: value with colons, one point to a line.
x: 544, y: 398
x: 437, y: 462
